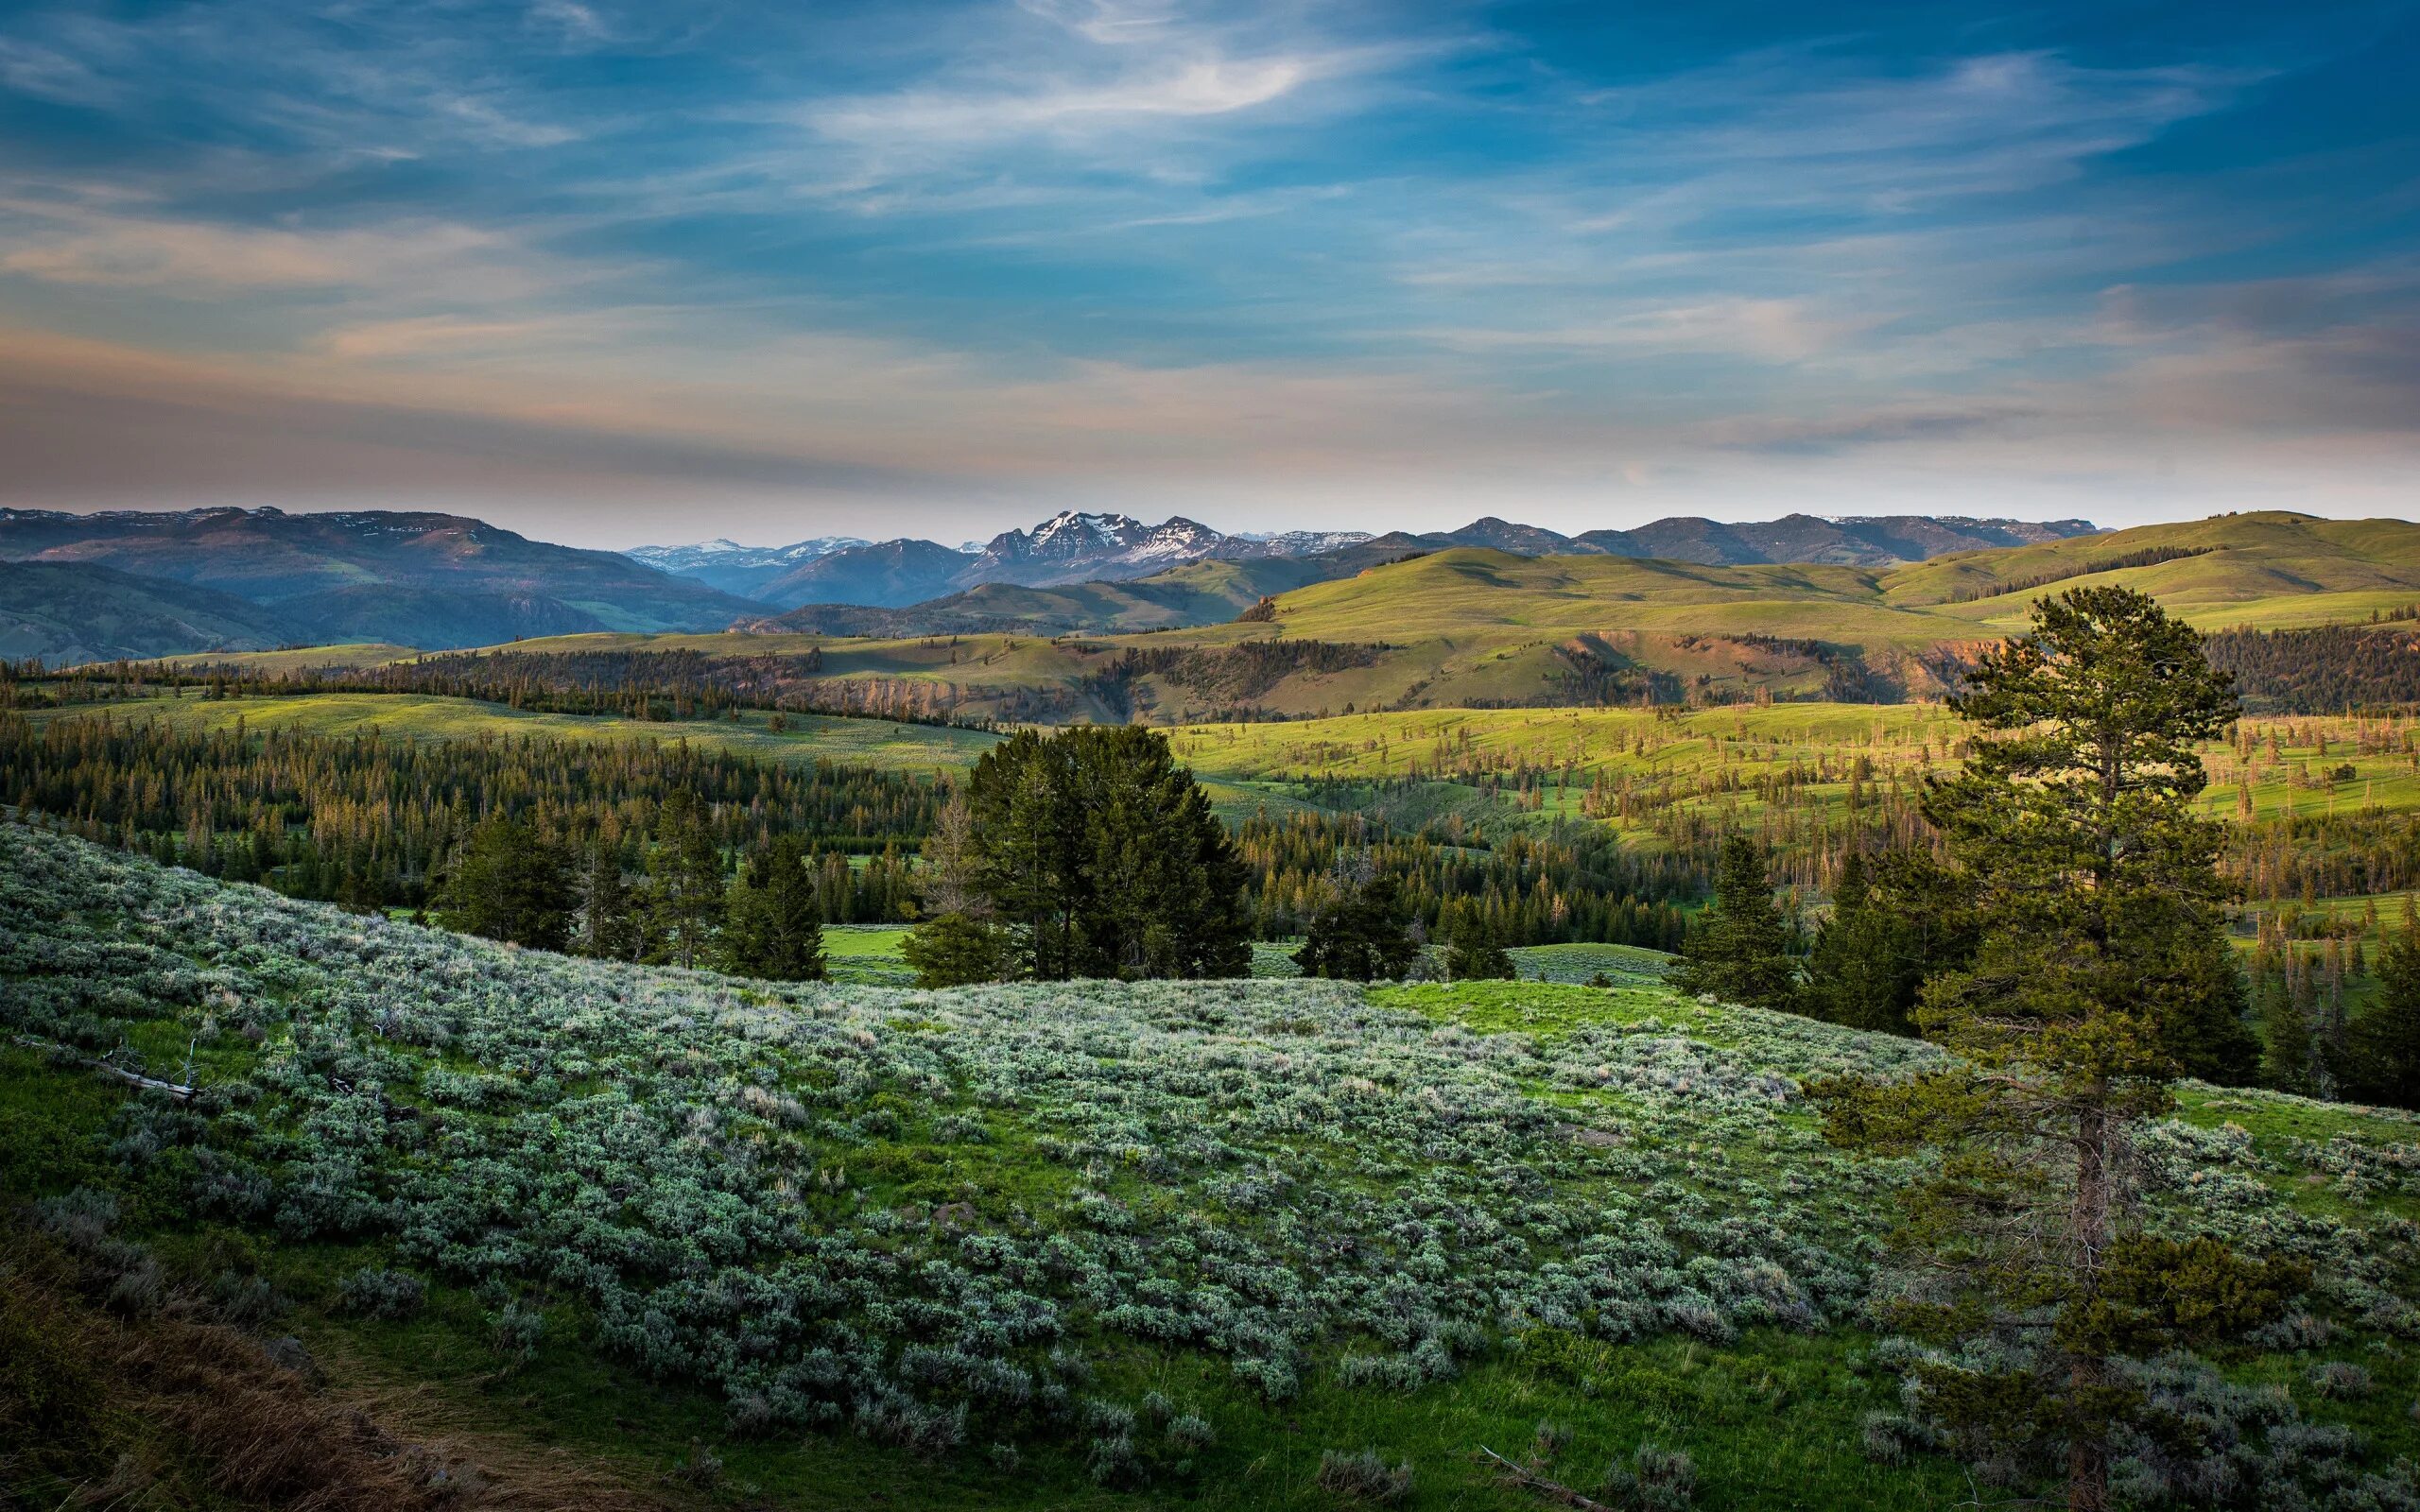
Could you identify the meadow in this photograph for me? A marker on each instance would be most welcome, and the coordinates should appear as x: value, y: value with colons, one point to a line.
x: 1146, y: 1243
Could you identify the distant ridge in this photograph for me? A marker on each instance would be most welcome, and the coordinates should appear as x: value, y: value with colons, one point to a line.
x: 160, y: 583
x: 1074, y: 547
x: 414, y: 578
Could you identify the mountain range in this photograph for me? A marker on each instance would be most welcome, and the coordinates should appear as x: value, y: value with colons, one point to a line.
x: 1074, y: 547
x: 137, y: 583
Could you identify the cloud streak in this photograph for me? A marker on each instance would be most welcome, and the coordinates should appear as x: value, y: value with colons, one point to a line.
x: 1270, y: 263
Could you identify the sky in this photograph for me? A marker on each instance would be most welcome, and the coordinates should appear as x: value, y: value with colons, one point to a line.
x: 620, y: 274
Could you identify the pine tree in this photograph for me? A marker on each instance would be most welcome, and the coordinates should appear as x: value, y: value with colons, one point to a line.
x: 1102, y: 858
x: 1737, y: 950
x: 684, y: 883
x: 608, y: 924
x: 1894, y: 923
x: 775, y: 926
x: 956, y: 944
x: 2099, y: 969
x: 1362, y: 934
x: 2287, y: 1060
x: 958, y: 950
x: 1475, y: 952
x: 510, y: 884
x: 2388, y: 1037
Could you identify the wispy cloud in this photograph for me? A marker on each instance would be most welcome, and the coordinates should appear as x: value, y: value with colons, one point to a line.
x: 1287, y: 256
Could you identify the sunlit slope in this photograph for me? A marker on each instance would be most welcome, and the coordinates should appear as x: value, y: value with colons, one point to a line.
x: 359, y: 654
x: 2269, y: 570
x: 1723, y: 763
x: 1471, y: 591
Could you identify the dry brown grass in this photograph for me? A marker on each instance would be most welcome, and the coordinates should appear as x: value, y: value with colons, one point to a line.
x: 173, y: 1409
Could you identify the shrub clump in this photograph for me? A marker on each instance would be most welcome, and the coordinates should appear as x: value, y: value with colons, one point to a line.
x: 1364, y: 1477
x: 1655, y: 1480
x: 375, y: 1292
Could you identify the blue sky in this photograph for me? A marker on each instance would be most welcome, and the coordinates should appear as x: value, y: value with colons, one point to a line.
x: 617, y: 273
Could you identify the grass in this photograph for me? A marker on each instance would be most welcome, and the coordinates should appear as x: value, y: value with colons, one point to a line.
x: 866, y: 954
x: 1709, y: 760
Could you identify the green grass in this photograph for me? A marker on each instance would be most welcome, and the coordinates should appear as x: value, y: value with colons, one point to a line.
x: 1681, y: 762
x: 359, y: 654
x: 866, y: 954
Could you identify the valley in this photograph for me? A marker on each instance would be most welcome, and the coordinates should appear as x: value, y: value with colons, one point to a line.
x: 579, y: 1160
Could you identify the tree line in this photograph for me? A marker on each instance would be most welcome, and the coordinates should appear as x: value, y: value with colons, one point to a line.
x: 661, y: 897
x: 1575, y: 881
x: 373, y: 823
x: 2325, y: 669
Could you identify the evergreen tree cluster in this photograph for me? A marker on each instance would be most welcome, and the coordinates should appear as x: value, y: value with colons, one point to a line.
x: 1086, y: 854
x: 510, y: 881
x: 2321, y: 670
x: 371, y: 823
x: 1572, y: 883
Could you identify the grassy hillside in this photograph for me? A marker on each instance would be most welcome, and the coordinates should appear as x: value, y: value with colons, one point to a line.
x: 2266, y: 570
x: 1093, y: 1246
x: 344, y: 656
x: 1197, y: 594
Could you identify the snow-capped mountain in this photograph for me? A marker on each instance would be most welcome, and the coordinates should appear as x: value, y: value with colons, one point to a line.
x: 1072, y: 546
x: 1076, y: 547
x: 1249, y: 545
x: 737, y: 569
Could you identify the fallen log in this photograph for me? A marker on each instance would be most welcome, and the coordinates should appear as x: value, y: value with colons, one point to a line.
x: 1530, y: 1480
x: 151, y: 1084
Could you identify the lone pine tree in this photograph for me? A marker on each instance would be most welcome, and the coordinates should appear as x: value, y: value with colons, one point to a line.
x: 2099, y: 976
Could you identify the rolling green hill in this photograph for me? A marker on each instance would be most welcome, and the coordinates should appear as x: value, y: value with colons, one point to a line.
x: 691, y: 1241
x: 2266, y: 571
x: 1475, y: 627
